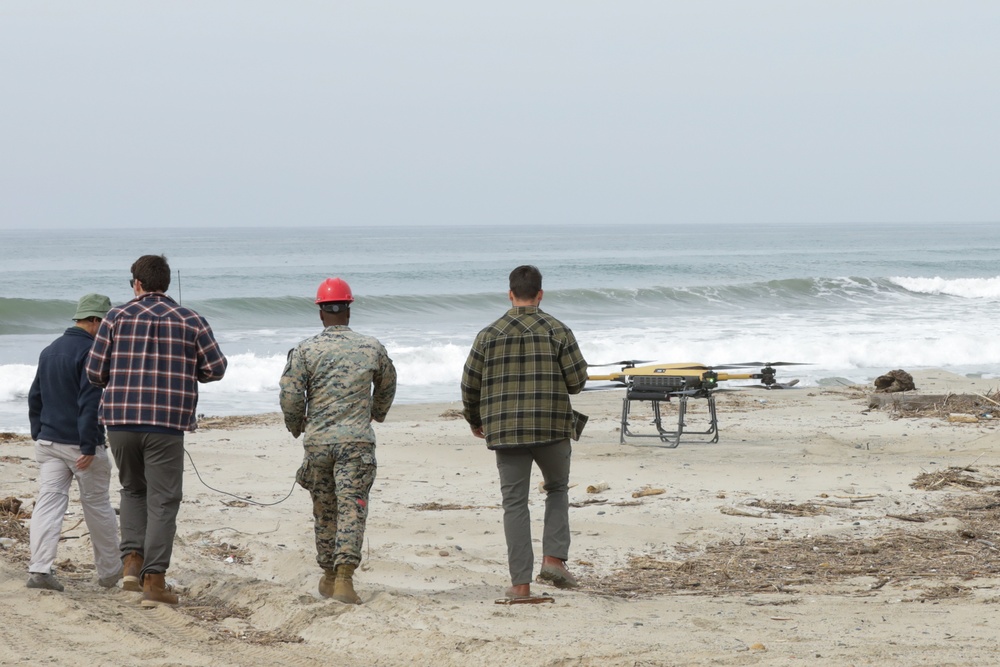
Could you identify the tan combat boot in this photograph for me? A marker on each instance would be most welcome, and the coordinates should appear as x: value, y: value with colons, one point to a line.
x: 155, y: 591
x: 132, y: 567
x: 343, y: 585
x: 326, y: 585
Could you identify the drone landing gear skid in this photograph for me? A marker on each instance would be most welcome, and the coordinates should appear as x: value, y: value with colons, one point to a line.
x: 670, y: 439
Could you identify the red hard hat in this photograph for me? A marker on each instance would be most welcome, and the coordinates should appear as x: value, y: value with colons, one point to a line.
x: 333, y: 289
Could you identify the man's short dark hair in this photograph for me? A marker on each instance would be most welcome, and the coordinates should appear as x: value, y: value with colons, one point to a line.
x: 526, y: 282
x: 153, y: 272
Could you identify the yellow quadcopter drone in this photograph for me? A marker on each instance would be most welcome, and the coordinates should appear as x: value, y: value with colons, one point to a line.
x: 656, y: 383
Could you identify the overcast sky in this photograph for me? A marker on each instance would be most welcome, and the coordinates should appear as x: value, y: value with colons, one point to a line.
x: 210, y: 113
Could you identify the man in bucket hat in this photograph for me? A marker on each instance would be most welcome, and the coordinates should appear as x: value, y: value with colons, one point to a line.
x: 69, y: 442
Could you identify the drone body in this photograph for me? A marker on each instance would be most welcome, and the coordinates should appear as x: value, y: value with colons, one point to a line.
x: 656, y: 383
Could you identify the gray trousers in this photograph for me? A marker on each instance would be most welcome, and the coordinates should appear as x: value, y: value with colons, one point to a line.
x: 514, y: 466
x: 56, y: 470
x: 151, y: 472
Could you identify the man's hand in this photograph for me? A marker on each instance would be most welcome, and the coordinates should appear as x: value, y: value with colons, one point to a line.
x: 478, y: 431
x: 84, y: 461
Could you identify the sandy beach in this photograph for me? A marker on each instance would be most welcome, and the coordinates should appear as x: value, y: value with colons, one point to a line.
x: 816, y: 530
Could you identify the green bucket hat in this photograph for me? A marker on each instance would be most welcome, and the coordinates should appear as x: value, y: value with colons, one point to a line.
x: 92, y: 305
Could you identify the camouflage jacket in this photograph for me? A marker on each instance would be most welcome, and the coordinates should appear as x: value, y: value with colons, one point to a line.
x: 518, y: 378
x: 326, y: 388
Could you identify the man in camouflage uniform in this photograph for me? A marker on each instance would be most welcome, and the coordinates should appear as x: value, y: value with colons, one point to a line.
x: 326, y: 392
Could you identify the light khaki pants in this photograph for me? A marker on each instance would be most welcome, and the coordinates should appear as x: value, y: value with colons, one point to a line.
x: 57, y: 468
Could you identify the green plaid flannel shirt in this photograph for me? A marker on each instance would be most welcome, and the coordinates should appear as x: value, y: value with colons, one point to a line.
x: 518, y: 378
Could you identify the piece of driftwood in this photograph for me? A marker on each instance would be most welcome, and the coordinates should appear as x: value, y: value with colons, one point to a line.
x: 834, y: 503
x: 859, y: 499
x: 589, y: 501
x: 963, y: 418
x: 806, y: 509
x: 642, y: 493
x: 750, y: 512
x: 987, y: 398
x: 73, y: 527
x: 598, y: 487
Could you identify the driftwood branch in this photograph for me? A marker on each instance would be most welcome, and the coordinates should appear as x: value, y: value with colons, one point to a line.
x: 987, y: 398
x: 752, y: 513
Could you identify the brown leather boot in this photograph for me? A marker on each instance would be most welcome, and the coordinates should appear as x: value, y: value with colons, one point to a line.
x: 326, y: 585
x: 343, y: 585
x: 132, y: 565
x: 155, y: 591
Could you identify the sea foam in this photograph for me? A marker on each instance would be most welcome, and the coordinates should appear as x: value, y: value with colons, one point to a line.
x: 970, y: 288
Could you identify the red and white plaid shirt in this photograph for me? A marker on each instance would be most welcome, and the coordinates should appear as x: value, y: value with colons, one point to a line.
x: 149, y: 354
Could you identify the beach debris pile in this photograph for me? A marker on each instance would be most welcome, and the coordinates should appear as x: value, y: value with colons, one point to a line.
x: 954, y: 476
x: 14, y: 535
x: 10, y: 505
x: 238, y: 421
x: 227, y: 553
x: 765, y: 509
x: 440, y: 507
x: 233, y: 622
x: 894, y: 381
x: 935, y: 564
x: 955, y: 408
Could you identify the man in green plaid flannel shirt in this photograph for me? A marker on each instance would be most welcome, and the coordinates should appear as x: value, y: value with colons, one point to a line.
x: 515, y: 389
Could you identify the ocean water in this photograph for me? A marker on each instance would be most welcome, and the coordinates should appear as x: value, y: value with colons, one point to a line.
x: 852, y: 301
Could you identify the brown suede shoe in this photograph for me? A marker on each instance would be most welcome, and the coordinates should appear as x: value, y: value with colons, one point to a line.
x: 132, y: 564
x: 155, y: 591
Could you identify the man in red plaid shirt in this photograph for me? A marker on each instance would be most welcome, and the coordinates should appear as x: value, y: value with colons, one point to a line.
x: 149, y: 355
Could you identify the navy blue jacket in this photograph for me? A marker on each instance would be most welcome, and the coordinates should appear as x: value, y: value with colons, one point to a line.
x: 62, y: 404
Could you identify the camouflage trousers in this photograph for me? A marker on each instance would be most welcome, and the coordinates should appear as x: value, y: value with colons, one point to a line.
x: 338, y: 477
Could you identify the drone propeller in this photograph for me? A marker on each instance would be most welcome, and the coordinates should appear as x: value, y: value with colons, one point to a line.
x: 768, y: 363
x: 703, y: 391
x: 774, y: 385
x: 604, y: 387
x: 625, y: 362
x: 749, y: 364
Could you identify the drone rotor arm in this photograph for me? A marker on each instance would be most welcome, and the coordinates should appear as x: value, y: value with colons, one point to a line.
x: 628, y: 363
